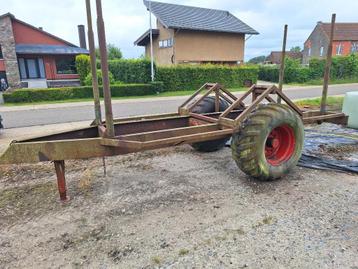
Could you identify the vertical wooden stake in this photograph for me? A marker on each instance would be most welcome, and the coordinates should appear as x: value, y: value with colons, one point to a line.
x: 327, y: 68
x: 104, y: 66
x: 61, y: 181
x: 217, y: 101
x: 282, y: 67
x: 92, y: 49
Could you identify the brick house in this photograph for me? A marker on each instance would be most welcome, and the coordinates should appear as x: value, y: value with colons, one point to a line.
x: 31, y: 57
x: 345, y: 40
x: 275, y: 56
x: 186, y: 34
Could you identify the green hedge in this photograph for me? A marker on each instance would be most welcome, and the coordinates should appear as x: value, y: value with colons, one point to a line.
x: 83, y: 66
x: 130, y: 70
x: 342, y: 67
x: 190, y: 77
x: 56, y: 94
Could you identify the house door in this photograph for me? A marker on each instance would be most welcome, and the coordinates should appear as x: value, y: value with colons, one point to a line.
x: 31, y: 68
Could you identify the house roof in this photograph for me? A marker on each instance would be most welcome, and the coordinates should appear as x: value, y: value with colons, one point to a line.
x: 342, y: 31
x: 275, y: 56
x: 144, y: 38
x: 49, y: 49
x: 196, y: 18
x: 40, y: 30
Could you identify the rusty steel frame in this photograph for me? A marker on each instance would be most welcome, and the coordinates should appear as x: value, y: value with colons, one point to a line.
x: 135, y: 134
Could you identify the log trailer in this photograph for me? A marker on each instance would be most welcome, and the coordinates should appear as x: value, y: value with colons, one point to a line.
x: 267, y: 136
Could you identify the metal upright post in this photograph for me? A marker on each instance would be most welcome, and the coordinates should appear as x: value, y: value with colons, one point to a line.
x: 97, y: 103
x: 282, y: 67
x: 151, y: 42
x: 327, y: 68
x: 104, y: 67
x: 61, y: 181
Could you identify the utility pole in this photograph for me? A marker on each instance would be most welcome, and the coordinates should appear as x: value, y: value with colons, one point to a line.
x: 151, y: 41
x: 327, y: 68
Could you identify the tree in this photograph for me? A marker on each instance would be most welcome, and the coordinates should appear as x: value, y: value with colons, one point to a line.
x: 258, y: 59
x: 296, y: 49
x: 114, y: 53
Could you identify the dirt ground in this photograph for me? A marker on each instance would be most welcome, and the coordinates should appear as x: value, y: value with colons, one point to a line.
x: 176, y: 208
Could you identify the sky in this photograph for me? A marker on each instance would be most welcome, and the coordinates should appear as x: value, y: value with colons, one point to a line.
x: 126, y: 20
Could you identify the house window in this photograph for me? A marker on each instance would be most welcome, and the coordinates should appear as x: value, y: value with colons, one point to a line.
x: 66, y: 66
x: 321, y: 51
x: 166, y: 43
x: 31, y: 68
x: 339, y: 49
x: 354, y: 47
x: 309, y: 52
x: 1, y: 56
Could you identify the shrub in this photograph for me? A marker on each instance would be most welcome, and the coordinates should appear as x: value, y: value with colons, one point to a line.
x: 130, y: 70
x: 189, y: 77
x: 83, y: 66
x: 56, y: 94
x: 294, y: 72
x: 342, y: 67
x: 88, y: 80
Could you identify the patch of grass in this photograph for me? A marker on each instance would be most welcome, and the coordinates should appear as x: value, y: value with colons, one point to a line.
x: 268, y: 220
x: 163, y: 94
x: 319, y: 82
x: 336, y: 101
x: 156, y: 260
x: 183, y: 252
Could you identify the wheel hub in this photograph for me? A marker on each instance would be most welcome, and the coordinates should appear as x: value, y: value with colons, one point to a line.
x: 280, y: 145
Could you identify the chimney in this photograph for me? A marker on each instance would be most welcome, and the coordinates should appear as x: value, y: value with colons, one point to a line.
x: 41, y: 28
x: 82, y: 36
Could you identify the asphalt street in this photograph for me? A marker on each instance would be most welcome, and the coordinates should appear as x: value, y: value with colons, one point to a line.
x: 23, y: 116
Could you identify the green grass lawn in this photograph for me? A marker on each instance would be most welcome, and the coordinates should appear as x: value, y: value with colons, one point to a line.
x: 163, y: 94
x: 319, y: 82
x: 332, y: 101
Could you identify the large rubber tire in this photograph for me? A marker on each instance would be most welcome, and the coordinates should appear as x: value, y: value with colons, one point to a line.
x: 269, y: 142
x: 207, y: 105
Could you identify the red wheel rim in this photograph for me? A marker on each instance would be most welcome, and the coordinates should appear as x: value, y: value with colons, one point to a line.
x: 280, y: 145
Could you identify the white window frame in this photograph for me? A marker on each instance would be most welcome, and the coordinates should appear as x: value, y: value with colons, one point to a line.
x: 339, y: 49
x: 321, y: 51
x: 354, y: 47
x: 309, y: 51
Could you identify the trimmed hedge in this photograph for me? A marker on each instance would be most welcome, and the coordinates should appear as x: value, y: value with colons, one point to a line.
x: 55, y: 94
x: 130, y: 70
x: 342, y: 67
x: 190, y: 77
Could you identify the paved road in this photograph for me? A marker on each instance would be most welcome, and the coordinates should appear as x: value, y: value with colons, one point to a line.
x: 60, y: 113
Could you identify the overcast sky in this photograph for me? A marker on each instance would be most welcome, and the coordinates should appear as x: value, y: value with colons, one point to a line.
x: 126, y: 20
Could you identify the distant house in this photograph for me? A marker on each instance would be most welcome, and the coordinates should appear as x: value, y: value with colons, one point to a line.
x: 194, y: 35
x: 275, y: 56
x: 31, y: 57
x: 345, y: 40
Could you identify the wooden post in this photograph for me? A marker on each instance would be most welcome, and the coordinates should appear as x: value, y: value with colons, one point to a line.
x: 61, y: 181
x: 327, y: 68
x: 92, y: 49
x: 282, y: 67
x: 104, y: 67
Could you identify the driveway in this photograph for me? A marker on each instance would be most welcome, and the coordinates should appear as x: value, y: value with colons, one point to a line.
x: 23, y: 116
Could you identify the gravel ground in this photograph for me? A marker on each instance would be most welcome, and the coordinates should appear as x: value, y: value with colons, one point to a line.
x: 176, y: 208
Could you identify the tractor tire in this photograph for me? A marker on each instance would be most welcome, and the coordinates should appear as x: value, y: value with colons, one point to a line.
x: 207, y: 105
x: 269, y: 142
